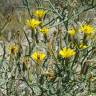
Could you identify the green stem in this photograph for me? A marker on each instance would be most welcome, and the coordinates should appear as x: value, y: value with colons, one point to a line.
x: 28, y: 42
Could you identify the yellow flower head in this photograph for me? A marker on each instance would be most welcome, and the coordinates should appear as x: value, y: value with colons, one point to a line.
x: 13, y: 49
x: 38, y: 56
x: 67, y: 52
x: 39, y: 13
x: 82, y: 46
x: 44, y: 30
x: 87, y: 29
x: 71, y: 31
x: 33, y: 23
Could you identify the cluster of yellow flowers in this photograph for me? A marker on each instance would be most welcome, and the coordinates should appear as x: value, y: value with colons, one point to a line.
x: 65, y: 52
x: 33, y: 23
x: 85, y: 28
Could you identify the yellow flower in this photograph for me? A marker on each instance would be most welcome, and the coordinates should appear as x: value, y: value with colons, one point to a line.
x: 82, y: 46
x: 38, y: 56
x: 87, y: 29
x: 71, y: 31
x: 44, y: 30
x: 67, y: 52
x: 39, y: 13
x: 13, y: 49
x: 33, y: 23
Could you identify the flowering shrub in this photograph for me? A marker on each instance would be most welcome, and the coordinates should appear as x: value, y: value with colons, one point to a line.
x: 48, y: 48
